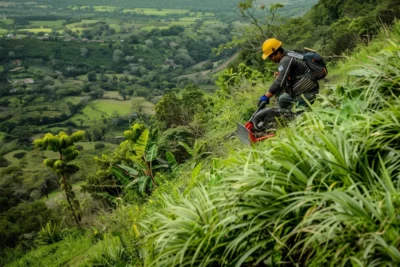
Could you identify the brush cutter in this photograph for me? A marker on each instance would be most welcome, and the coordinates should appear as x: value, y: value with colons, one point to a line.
x: 246, y: 132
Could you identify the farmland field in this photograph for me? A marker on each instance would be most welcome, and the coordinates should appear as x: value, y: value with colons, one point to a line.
x: 79, y: 24
x: 46, y: 30
x: 48, y: 23
x: 157, y: 12
x: 105, y: 8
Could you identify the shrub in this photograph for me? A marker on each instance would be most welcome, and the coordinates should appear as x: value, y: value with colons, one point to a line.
x: 49, y: 234
x: 19, y: 155
x: 3, y: 162
x: 99, y: 146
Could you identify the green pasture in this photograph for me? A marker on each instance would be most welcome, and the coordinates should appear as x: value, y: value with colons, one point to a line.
x: 157, y: 12
x: 149, y: 28
x: 41, y: 68
x: 3, y: 31
x: 1, y: 68
x: 48, y: 23
x: 110, y: 76
x: 213, y: 21
x: 36, y: 30
x: 110, y: 106
x: 105, y: 8
x: 79, y: 24
x: 7, y: 3
x: 43, y: 6
x: 102, y: 108
x: 181, y: 23
x: 91, y: 145
x: 98, y: 109
x: 188, y: 19
x: 6, y: 147
x: 113, y: 94
x: 72, y: 99
x: 117, y: 27
x: 10, y: 156
x: 77, y: 7
x: 7, y: 21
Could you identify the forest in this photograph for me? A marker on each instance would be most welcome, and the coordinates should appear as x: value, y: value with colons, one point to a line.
x: 118, y: 141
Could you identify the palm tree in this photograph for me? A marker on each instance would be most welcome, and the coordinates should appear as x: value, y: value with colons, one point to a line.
x: 64, y: 145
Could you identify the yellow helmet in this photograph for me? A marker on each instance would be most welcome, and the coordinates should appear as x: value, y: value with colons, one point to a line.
x: 270, y: 46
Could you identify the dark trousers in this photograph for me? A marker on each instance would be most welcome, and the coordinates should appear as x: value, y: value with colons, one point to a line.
x: 266, y: 118
x: 286, y: 101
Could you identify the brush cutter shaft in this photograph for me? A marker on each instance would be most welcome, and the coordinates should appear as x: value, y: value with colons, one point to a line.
x: 261, y: 106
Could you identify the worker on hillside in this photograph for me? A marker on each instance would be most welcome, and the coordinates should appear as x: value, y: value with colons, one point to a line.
x: 291, y: 83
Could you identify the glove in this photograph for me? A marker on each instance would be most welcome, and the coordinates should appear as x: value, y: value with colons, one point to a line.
x: 264, y: 100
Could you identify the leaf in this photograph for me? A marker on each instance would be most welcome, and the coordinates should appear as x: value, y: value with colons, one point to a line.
x: 128, y: 170
x: 141, y: 143
x: 189, y: 150
x: 143, y: 181
x: 151, y: 153
x: 173, y: 165
x: 120, y: 175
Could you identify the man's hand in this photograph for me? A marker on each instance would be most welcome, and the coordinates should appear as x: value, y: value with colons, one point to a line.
x: 264, y: 100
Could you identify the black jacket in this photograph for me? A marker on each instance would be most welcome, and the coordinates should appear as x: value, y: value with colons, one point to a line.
x: 291, y: 77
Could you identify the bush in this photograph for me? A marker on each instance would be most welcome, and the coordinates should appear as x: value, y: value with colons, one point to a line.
x: 99, y: 146
x: 79, y: 147
x: 3, y: 162
x: 19, y: 155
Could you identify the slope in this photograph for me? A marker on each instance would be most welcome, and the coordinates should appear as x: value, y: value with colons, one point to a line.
x: 324, y: 191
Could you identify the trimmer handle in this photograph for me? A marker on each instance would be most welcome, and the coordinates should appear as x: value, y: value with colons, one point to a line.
x: 260, y: 107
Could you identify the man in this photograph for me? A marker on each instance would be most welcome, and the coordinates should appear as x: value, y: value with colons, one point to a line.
x: 291, y: 83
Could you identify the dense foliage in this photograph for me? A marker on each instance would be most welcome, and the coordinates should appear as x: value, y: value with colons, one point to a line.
x: 177, y: 188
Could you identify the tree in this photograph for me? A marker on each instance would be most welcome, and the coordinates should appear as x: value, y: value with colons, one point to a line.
x: 117, y: 55
x: 179, y: 109
x: 64, y: 145
x: 92, y: 76
x: 84, y: 52
x: 263, y: 22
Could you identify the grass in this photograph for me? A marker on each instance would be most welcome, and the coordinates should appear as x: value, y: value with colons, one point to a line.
x: 10, y: 156
x: 91, y: 145
x: 100, y: 109
x: 153, y: 11
x: 72, y: 99
x: 113, y: 94
x: 110, y: 107
x: 105, y: 8
x: 78, y: 7
x: 149, y: 28
x: 37, y: 30
x: 79, y: 24
x: 47, y: 23
x: 57, y: 254
x: 43, y: 69
x: 3, y: 31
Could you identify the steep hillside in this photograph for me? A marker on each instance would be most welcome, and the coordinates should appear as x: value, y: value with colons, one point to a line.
x: 141, y: 167
x: 324, y: 191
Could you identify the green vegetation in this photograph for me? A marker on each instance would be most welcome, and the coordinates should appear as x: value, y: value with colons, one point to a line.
x: 64, y: 146
x: 159, y: 178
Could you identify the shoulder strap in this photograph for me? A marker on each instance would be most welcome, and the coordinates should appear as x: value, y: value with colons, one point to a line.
x: 295, y: 55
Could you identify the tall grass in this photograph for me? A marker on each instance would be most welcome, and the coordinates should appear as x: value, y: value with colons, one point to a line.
x: 326, y: 195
